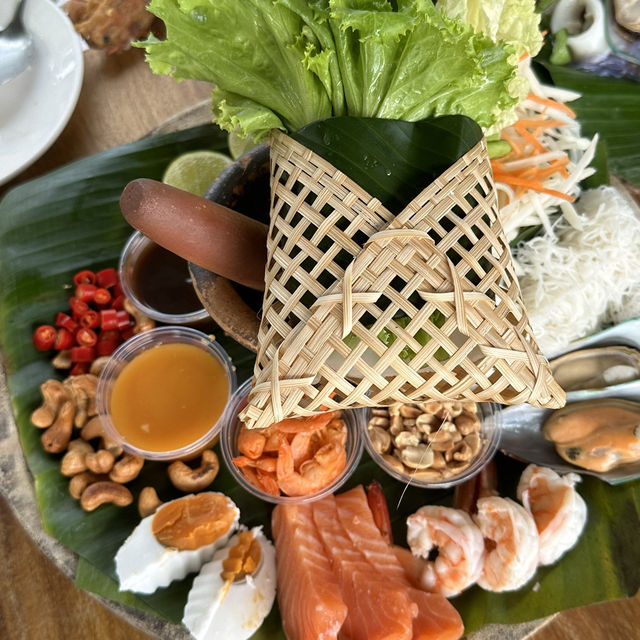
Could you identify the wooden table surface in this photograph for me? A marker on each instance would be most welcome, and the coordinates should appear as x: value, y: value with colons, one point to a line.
x: 121, y: 101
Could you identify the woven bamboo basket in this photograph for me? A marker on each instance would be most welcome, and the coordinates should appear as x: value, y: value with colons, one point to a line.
x: 439, y: 277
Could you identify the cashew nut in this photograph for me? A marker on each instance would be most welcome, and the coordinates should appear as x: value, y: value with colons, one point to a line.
x: 54, y: 394
x: 379, y: 421
x: 100, y: 461
x: 80, y: 482
x: 94, y: 429
x: 126, y: 469
x: 56, y: 438
x: 73, y: 462
x: 83, y: 393
x: 148, y: 502
x: 104, y: 492
x: 98, y: 365
x: 189, y: 480
x: 62, y: 359
x: 142, y: 322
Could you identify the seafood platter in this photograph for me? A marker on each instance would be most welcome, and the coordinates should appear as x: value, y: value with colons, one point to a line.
x: 381, y: 378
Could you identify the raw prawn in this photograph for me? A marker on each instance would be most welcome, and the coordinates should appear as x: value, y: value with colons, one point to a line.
x: 325, y: 466
x: 557, y: 508
x: 512, y: 549
x: 459, y: 543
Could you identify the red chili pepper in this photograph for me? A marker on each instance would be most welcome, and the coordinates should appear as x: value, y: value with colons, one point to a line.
x: 86, y: 337
x: 83, y: 354
x: 118, y: 303
x: 79, y: 368
x: 78, y: 308
x: 124, y: 319
x: 110, y: 334
x: 102, y: 297
x: 90, y: 319
x: 108, y: 319
x: 117, y: 290
x: 44, y: 337
x: 85, y: 292
x: 127, y: 333
x: 84, y: 277
x: 64, y: 339
x: 63, y: 320
x: 107, y: 278
x: 106, y: 347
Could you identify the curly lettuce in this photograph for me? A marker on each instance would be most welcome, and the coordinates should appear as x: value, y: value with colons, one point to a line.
x: 285, y: 63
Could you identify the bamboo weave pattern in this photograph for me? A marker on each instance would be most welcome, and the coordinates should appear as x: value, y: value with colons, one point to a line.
x: 341, y: 269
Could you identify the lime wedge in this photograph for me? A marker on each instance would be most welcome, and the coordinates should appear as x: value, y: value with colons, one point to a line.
x: 238, y: 145
x: 196, y: 170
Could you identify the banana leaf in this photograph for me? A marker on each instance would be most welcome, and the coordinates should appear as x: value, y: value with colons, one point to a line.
x: 609, y: 107
x: 57, y: 224
x: 392, y: 160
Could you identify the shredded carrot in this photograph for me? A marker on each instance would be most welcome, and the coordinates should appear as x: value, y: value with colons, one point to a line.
x: 524, y: 56
x: 554, y: 104
x: 514, y: 145
x: 529, y: 137
x: 535, y: 185
x: 540, y: 125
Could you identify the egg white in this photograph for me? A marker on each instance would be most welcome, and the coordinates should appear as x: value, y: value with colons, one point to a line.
x: 214, y: 612
x: 143, y: 564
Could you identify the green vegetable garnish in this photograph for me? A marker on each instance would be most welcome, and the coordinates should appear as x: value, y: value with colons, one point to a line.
x: 285, y: 63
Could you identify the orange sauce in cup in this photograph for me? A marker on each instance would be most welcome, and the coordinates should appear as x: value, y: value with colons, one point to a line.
x: 168, y: 397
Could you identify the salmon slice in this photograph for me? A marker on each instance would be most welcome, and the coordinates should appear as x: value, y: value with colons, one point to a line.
x: 309, y: 597
x: 437, y: 617
x: 377, y: 610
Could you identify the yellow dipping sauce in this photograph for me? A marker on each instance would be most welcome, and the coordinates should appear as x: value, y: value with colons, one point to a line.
x: 168, y: 397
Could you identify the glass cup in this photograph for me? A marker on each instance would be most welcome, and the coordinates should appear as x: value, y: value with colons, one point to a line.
x: 140, y: 344
x: 228, y: 444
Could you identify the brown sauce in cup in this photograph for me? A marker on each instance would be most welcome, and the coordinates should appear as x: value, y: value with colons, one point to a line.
x: 161, y: 280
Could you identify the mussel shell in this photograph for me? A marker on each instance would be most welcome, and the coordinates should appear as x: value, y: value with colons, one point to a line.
x: 599, y: 435
x: 596, y: 368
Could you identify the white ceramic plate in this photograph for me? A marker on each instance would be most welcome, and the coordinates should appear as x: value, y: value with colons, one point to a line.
x: 36, y: 106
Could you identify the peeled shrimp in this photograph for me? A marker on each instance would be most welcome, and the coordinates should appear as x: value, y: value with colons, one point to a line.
x: 559, y: 511
x: 458, y: 541
x: 512, y: 549
x: 325, y: 466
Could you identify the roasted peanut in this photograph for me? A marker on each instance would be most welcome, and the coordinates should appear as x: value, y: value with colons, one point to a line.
x: 380, y: 439
x: 409, y: 411
x: 468, y: 423
x: 407, y: 439
x: 417, y: 457
x: 428, y: 440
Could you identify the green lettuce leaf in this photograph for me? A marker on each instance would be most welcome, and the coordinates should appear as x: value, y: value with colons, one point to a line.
x: 286, y: 63
x: 251, y: 50
x: 514, y: 21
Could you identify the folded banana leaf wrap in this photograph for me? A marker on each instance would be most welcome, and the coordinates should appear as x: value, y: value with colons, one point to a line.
x: 342, y: 268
